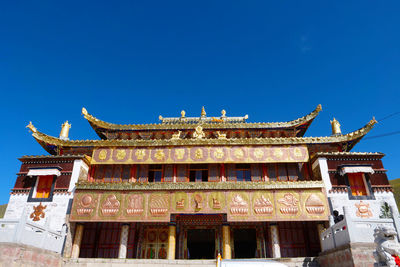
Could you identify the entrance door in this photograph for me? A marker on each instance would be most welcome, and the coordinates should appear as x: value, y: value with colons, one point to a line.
x: 245, y: 243
x: 201, y: 243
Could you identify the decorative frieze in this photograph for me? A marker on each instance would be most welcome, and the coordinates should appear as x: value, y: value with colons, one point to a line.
x: 200, y: 154
x: 239, y: 205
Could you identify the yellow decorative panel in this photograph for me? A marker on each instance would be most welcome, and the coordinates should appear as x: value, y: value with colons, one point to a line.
x: 200, y: 154
x: 239, y: 205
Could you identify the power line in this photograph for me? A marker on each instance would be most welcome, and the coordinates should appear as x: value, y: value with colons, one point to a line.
x: 382, y: 135
x: 388, y: 116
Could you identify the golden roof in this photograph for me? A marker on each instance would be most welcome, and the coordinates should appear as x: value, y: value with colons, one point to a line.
x: 183, y: 122
x: 353, y: 136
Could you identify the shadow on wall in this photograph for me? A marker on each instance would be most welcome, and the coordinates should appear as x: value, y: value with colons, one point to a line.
x: 2, y: 210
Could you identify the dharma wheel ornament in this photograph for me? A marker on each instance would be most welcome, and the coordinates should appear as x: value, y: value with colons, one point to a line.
x: 335, y: 127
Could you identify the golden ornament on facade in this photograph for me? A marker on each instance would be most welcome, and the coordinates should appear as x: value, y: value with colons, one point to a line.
x: 263, y: 205
x: 159, y: 155
x: 314, y: 205
x: 198, y: 133
x: 239, y: 206
x: 103, y: 154
x: 290, y: 203
x: 198, y: 201
x: 159, y: 205
x: 121, y: 154
x: 258, y: 153
x: 180, y: 204
x: 38, y: 212
x: 135, y: 204
x: 198, y: 154
x: 219, y: 153
x: 110, y: 206
x: 140, y: 154
x: 85, y: 206
x: 176, y: 136
x: 363, y: 210
x: 179, y: 153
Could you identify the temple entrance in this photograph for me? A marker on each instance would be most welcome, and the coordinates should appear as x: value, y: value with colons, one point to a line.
x: 245, y: 242
x: 201, y: 243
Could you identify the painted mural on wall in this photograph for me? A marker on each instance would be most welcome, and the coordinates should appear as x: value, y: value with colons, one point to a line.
x: 200, y: 154
x: 239, y: 205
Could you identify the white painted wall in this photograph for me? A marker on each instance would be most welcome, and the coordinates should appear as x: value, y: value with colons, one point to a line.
x: 56, y: 210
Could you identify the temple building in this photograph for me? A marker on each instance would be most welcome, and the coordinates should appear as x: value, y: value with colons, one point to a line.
x: 196, y: 187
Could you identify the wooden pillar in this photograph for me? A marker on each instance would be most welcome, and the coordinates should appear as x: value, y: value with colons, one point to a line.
x: 76, y: 245
x: 276, y: 248
x: 321, y: 228
x: 226, y: 242
x: 171, y: 241
x: 123, y: 241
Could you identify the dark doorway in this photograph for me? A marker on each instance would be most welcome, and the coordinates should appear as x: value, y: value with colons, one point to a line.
x: 201, y: 243
x: 245, y: 242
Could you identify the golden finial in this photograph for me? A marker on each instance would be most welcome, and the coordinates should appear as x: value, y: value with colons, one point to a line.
x: 335, y: 127
x: 84, y: 111
x: 183, y: 113
x: 319, y: 107
x: 65, y: 130
x: 160, y: 117
x: 223, y: 113
x: 203, y: 112
x: 31, y: 127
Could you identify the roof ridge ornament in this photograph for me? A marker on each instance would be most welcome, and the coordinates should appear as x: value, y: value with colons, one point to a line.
x: 336, y: 127
x: 31, y: 127
x: 203, y: 112
x: 65, y: 130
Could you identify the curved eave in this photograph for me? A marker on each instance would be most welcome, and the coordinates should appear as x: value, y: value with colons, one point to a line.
x: 101, y: 126
x: 346, y: 142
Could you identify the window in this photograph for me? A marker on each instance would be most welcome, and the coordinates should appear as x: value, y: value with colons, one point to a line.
x: 155, y: 173
x: 44, y: 181
x: 243, y: 172
x: 198, y: 173
x: 43, y: 187
x: 357, y: 184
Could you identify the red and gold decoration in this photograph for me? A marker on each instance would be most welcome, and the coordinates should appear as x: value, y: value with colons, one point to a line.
x: 200, y: 154
x: 239, y: 205
x: 38, y: 212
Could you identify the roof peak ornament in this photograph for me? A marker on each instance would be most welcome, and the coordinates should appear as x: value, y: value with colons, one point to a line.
x: 335, y: 127
x: 65, y: 130
x: 203, y: 112
x: 31, y: 127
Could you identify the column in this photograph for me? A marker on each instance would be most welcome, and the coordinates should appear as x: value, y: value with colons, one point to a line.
x: 274, y: 233
x: 226, y: 242
x: 320, y: 227
x: 76, y: 245
x: 171, y: 241
x: 123, y: 241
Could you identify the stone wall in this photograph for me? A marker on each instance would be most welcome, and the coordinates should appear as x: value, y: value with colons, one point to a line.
x: 349, y: 255
x: 12, y: 255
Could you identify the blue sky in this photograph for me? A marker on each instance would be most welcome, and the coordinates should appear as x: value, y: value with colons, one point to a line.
x: 130, y: 61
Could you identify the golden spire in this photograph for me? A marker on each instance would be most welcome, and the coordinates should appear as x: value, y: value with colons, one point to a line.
x: 203, y: 112
x: 183, y: 113
x: 335, y: 127
x: 84, y: 111
x: 65, y: 130
x: 31, y: 127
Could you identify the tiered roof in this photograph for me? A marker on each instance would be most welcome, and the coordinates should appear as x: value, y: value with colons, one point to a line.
x: 334, y: 143
x: 292, y: 128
